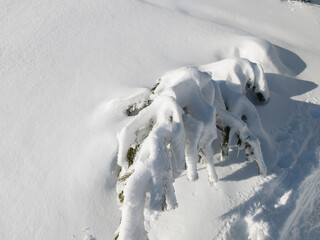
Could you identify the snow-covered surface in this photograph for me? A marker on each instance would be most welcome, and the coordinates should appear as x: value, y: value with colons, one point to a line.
x: 175, y: 124
x: 61, y: 62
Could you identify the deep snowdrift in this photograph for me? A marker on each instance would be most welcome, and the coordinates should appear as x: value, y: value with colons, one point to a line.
x: 61, y: 62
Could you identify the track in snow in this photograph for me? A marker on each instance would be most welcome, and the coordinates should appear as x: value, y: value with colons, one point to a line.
x: 287, y: 206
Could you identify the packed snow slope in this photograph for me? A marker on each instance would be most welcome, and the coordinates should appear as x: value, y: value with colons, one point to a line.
x: 61, y: 62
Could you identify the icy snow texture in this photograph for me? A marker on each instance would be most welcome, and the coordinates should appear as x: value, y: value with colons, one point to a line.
x: 176, y: 125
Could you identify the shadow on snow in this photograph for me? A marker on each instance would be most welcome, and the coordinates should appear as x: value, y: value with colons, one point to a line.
x: 294, y: 127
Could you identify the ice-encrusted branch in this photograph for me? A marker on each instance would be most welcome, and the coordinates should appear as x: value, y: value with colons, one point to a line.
x: 175, y: 124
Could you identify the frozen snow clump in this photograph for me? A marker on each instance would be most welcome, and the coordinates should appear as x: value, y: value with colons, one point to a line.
x: 172, y: 128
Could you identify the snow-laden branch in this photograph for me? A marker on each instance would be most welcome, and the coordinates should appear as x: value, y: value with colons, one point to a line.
x: 174, y: 126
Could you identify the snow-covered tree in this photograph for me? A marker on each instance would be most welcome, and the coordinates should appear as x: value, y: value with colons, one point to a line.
x: 173, y: 127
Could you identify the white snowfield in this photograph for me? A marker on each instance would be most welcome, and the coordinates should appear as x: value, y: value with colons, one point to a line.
x: 70, y: 69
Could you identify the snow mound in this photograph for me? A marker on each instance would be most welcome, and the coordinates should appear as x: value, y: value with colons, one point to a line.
x: 173, y: 126
x: 273, y: 58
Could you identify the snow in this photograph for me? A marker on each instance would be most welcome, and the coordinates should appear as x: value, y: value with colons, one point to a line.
x: 176, y: 125
x: 62, y: 62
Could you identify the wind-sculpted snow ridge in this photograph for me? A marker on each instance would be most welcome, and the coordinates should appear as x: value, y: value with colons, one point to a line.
x: 173, y: 127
